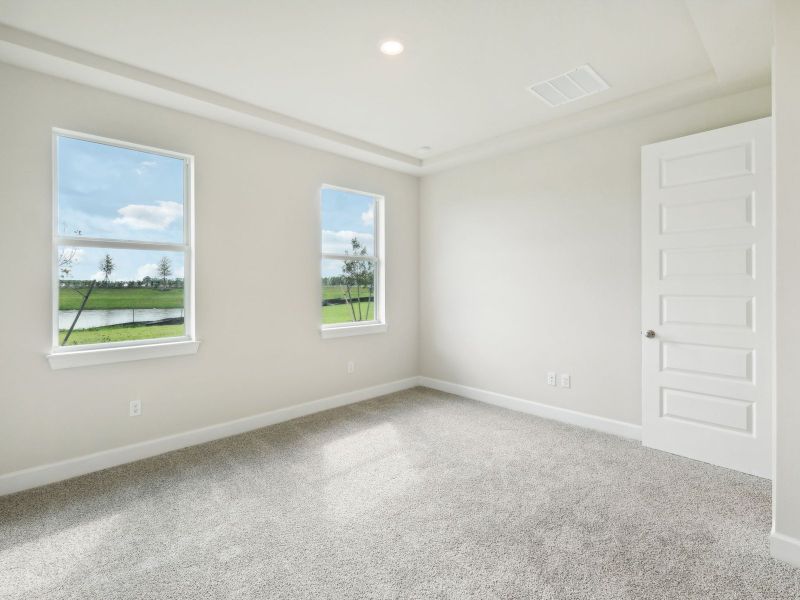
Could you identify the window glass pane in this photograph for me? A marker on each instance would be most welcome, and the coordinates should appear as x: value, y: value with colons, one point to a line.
x: 110, y: 192
x: 348, y: 223
x: 348, y: 291
x: 113, y: 295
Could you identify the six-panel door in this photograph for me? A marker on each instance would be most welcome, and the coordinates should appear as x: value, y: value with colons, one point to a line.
x: 707, y: 294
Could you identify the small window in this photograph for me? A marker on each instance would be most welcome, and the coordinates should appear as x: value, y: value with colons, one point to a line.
x: 122, y: 244
x: 352, y: 262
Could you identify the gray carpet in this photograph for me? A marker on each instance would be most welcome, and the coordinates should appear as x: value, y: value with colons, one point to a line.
x: 414, y: 495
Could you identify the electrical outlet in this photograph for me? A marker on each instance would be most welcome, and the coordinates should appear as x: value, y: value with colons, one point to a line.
x: 566, y: 380
x: 135, y: 408
x: 551, y: 378
x: 351, y: 367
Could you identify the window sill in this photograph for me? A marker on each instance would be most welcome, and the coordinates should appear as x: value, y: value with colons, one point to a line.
x: 103, y: 356
x: 348, y: 330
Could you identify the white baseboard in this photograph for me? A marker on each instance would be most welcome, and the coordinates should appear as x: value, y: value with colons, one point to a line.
x: 81, y: 465
x: 573, y: 417
x: 785, y: 548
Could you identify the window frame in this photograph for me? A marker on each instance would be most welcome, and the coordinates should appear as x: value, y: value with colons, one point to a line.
x: 86, y: 354
x: 378, y: 324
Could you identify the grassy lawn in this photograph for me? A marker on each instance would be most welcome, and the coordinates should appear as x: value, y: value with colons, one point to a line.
x: 109, y: 298
x: 121, y: 333
x: 122, y: 298
x: 341, y: 313
x: 331, y: 292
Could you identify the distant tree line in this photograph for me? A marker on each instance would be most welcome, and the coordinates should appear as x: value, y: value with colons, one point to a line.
x: 145, y: 282
x: 107, y: 266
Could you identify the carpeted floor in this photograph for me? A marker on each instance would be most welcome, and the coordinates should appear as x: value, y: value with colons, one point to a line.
x: 418, y: 494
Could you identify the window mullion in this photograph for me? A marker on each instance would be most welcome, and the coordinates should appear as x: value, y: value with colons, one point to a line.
x: 81, y: 242
x: 161, y: 265
x: 328, y: 256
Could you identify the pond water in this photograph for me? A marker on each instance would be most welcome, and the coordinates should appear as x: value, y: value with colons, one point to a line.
x: 103, y: 318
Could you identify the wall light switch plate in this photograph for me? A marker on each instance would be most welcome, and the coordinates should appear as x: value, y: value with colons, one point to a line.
x: 351, y: 367
x: 135, y: 408
x: 551, y: 378
x: 566, y: 380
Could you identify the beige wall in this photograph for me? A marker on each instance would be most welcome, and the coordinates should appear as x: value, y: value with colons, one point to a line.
x: 786, y: 84
x: 531, y: 263
x: 257, y: 224
x: 510, y: 267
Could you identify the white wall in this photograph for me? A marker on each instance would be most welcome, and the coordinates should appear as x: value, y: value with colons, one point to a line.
x: 786, y: 85
x: 531, y: 263
x: 257, y: 225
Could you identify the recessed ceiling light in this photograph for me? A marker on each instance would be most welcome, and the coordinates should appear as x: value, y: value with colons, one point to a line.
x: 424, y: 149
x: 391, y: 47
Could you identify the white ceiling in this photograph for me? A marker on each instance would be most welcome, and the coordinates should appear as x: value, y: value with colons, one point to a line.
x: 460, y: 82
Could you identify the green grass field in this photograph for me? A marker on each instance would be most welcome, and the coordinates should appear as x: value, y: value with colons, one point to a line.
x: 341, y: 313
x: 121, y: 333
x: 332, y: 292
x: 124, y: 298
x: 109, y: 298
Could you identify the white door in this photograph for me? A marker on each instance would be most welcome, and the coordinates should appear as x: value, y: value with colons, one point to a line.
x: 707, y: 296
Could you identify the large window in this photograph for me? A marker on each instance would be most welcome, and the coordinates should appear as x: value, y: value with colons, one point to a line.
x: 122, y: 244
x: 352, y: 262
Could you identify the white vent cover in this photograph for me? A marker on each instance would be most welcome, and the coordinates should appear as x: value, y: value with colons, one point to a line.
x: 570, y: 86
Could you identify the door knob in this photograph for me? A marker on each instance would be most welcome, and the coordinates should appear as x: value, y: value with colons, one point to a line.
x: 650, y: 333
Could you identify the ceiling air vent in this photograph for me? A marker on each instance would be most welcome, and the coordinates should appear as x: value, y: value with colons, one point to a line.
x: 570, y: 86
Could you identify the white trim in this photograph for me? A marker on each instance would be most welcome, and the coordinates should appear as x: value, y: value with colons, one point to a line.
x: 30, y: 51
x: 50, y: 473
x: 655, y: 101
x: 89, y: 354
x: 44, y: 55
x: 55, y: 274
x: 98, y: 139
x: 66, y: 240
x: 334, y: 256
x: 378, y: 258
x: 337, y: 331
x: 81, y: 465
x: 785, y: 548
x: 573, y: 417
x: 103, y: 356
x: 123, y: 344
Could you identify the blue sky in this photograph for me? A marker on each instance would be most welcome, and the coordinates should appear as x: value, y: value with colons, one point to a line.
x: 116, y: 193
x: 345, y: 215
x: 111, y: 192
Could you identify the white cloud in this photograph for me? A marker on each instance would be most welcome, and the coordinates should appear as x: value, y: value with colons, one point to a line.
x: 145, y: 166
x: 337, y: 242
x: 100, y: 276
x: 368, y: 217
x: 148, y: 270
x: 149, y: 216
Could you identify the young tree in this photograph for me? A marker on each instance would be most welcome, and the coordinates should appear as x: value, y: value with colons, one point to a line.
x: 164, y: 269
x: 66, y: 259
x: 107, y: 266
x: 359, y: 274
